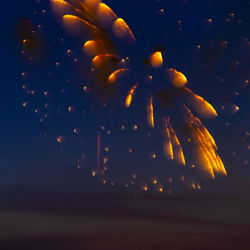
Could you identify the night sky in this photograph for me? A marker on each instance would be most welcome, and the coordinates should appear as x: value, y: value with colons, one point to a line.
x: 52, y: 112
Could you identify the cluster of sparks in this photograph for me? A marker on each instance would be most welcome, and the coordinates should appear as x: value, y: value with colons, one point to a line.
x: 97, y: 18
x: 97, y: 22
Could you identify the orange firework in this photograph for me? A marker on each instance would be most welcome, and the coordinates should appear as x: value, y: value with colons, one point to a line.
x: 97, y: 22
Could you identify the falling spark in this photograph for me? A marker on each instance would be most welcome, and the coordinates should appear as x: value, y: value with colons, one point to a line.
x: 130, y: 95
x: 150, y: 112
x: 60, y: 139
x: 168, y: 147
x: 179, y: 156
x: 116, y: 75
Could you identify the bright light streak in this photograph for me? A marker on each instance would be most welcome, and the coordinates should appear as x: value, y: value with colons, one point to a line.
x: 168, y: 147
x: 179, y: 155
x: 200, y: 105
x: 116, y: 75
x: 150, y: 112
x: 130, y: 95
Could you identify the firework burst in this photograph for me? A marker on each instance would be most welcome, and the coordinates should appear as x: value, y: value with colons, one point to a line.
x: 97, y: 19
x: 119, y: 79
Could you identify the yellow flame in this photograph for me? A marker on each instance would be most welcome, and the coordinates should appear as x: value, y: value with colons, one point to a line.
x: 172, y: 144
x: 129, y: 97
x: 150, y: 111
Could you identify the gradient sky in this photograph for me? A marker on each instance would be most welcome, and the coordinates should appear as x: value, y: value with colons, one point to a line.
x: 49, y: 203
x: 30, y: 160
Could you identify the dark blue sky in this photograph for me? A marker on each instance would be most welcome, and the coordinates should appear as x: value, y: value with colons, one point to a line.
x: 28, y: 160
x: 47, y: 202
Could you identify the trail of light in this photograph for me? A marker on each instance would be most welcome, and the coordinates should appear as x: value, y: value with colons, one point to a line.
x: 222, y: 167
x: 102, y: 60
x: 150, y: 112
x: 130, y: 95
x: 116, y: 75
x: 210, y: 158
x: 203, y: 107
x: 168, y: 147
x: 71, y: 22
x: 208, y: 161
x: 209, y: 150
x: 204, y: 153
x: 122, y: 30
x: 177, y: 146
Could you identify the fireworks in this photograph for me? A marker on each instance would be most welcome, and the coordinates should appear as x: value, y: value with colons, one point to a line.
x: 170, y: 106
x: 88, y: 17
